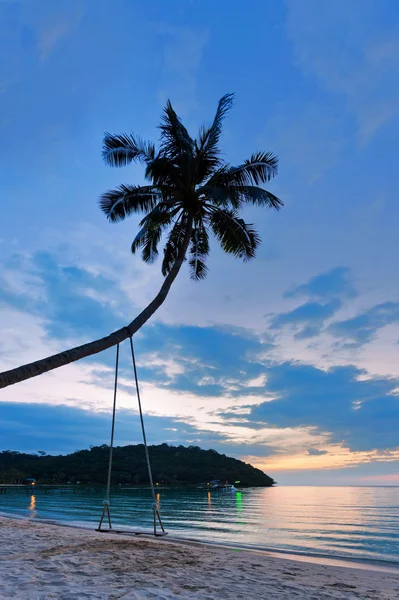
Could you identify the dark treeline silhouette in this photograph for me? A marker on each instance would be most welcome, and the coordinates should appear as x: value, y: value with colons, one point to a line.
x: 171, y: 465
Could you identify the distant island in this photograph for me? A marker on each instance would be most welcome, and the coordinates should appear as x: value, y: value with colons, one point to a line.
x: 171, y: 465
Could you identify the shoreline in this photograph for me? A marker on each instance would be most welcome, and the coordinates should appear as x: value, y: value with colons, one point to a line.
x: 308, y: 557
x: 46, y: 561
x: 369, y: 564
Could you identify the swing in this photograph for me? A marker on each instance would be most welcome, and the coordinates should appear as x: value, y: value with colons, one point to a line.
x: 106, y: 502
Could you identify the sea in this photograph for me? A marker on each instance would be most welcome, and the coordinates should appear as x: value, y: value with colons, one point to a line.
x: 358, y: 523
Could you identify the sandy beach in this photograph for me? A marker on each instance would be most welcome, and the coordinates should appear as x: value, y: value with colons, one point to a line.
x: 40, y: 561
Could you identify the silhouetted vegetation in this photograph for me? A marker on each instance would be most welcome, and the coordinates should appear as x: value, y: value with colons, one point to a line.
x: 171, y: 465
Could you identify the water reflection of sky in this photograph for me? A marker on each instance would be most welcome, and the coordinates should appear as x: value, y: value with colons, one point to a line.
x: 346, y: 521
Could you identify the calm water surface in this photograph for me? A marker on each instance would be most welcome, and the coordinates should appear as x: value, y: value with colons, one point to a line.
x: 357, y: 522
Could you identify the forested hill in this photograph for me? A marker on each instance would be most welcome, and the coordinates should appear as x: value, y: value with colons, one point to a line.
x: 171, y: 465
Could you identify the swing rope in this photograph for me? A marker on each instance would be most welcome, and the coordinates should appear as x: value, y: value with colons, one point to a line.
x: 111, y: 447
x: 106, y: 502
x: 147, y: 456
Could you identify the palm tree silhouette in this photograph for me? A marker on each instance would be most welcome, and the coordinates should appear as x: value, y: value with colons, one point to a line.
x: 192, y: 194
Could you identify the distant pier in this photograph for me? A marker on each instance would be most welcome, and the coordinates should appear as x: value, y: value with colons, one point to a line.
x: 47, y: 488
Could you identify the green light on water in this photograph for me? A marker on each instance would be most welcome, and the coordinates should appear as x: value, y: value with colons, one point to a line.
x: 239, y: 501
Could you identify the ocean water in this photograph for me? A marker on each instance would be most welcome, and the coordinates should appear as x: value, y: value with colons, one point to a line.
x: 350, y: 522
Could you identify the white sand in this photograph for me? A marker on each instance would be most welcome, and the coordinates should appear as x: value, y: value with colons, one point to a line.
x: 40, y: 561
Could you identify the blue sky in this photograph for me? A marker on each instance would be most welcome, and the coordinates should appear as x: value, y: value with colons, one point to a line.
x: 290, y: 361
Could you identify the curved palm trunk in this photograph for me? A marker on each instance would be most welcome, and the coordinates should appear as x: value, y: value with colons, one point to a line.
x: 64, y: 358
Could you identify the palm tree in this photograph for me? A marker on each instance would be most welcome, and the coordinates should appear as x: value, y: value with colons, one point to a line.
x: 191, y: 194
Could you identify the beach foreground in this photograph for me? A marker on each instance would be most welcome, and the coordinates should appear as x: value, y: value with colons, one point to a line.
x: 39, y: 561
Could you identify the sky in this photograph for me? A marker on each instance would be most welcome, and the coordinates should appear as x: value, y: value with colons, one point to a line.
x: 289, y: 362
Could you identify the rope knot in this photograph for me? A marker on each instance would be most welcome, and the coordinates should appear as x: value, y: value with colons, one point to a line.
x: 154, y: 506
x: 106, y: 503
x: 128, y: 332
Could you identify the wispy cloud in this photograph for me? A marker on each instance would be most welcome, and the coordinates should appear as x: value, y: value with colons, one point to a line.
x: 73, y: 300
x: 334, y: 283
x: 336, y: 459
x: 353, y: 57
x: 316, y: 452
x: 310, y: 138
x: 307, y: 319
x: 57, y: 27
x: 361, y: 328
x: 326, y: 400
x: 183, y: 49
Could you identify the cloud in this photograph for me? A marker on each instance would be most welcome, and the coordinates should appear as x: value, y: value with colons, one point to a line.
x: 30, y: 427
x: 196, y: 374
x: 62, y: 429
x: 57, y: 28
x: 45, y: 25
x: 341, y: 405
x: 210, y: 380
x: 307, y: 318
x: 71, y: 300
x: 338, y: 467
x: 326, y: 293
x: 210, y: 384
x: 208, y: 361
x: 363, y: 327
x: 316, y: 452
x: 310, y: 137
x: 360, y: 413
x: 258, y: 382
x: 331, y: 284
x: 353, y: 49
x: 183, y: 49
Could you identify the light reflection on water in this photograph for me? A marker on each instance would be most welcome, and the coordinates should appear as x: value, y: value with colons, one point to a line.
x: 361, y: 522
x: 32, y: 506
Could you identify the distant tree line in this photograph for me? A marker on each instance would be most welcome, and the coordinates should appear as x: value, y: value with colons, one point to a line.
x: 171, y: 465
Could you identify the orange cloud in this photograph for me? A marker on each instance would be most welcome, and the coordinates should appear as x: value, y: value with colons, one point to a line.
x: 336, y: 457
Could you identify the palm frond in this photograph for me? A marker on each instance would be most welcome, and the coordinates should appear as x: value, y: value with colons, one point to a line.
x: 259, y: 196
x: 120, y: 150
x: 174, y: 136
x: 199, y: 250
x: 209, y: 137
x: 163, y: 172
x: 139, y: 240
x: 161, y: 216
x: 198, y: 268
x: 149, y: 251
x: 207, y: 147
x: 234, y: 185
x: 152, y: 227
x: 227, y: 196
x: 260, y: 168
x: 125, y: 200
x: 147, y: 239
x: 235, y: 236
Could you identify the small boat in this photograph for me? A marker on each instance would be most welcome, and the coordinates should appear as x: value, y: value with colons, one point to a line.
x: 216, y: 486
